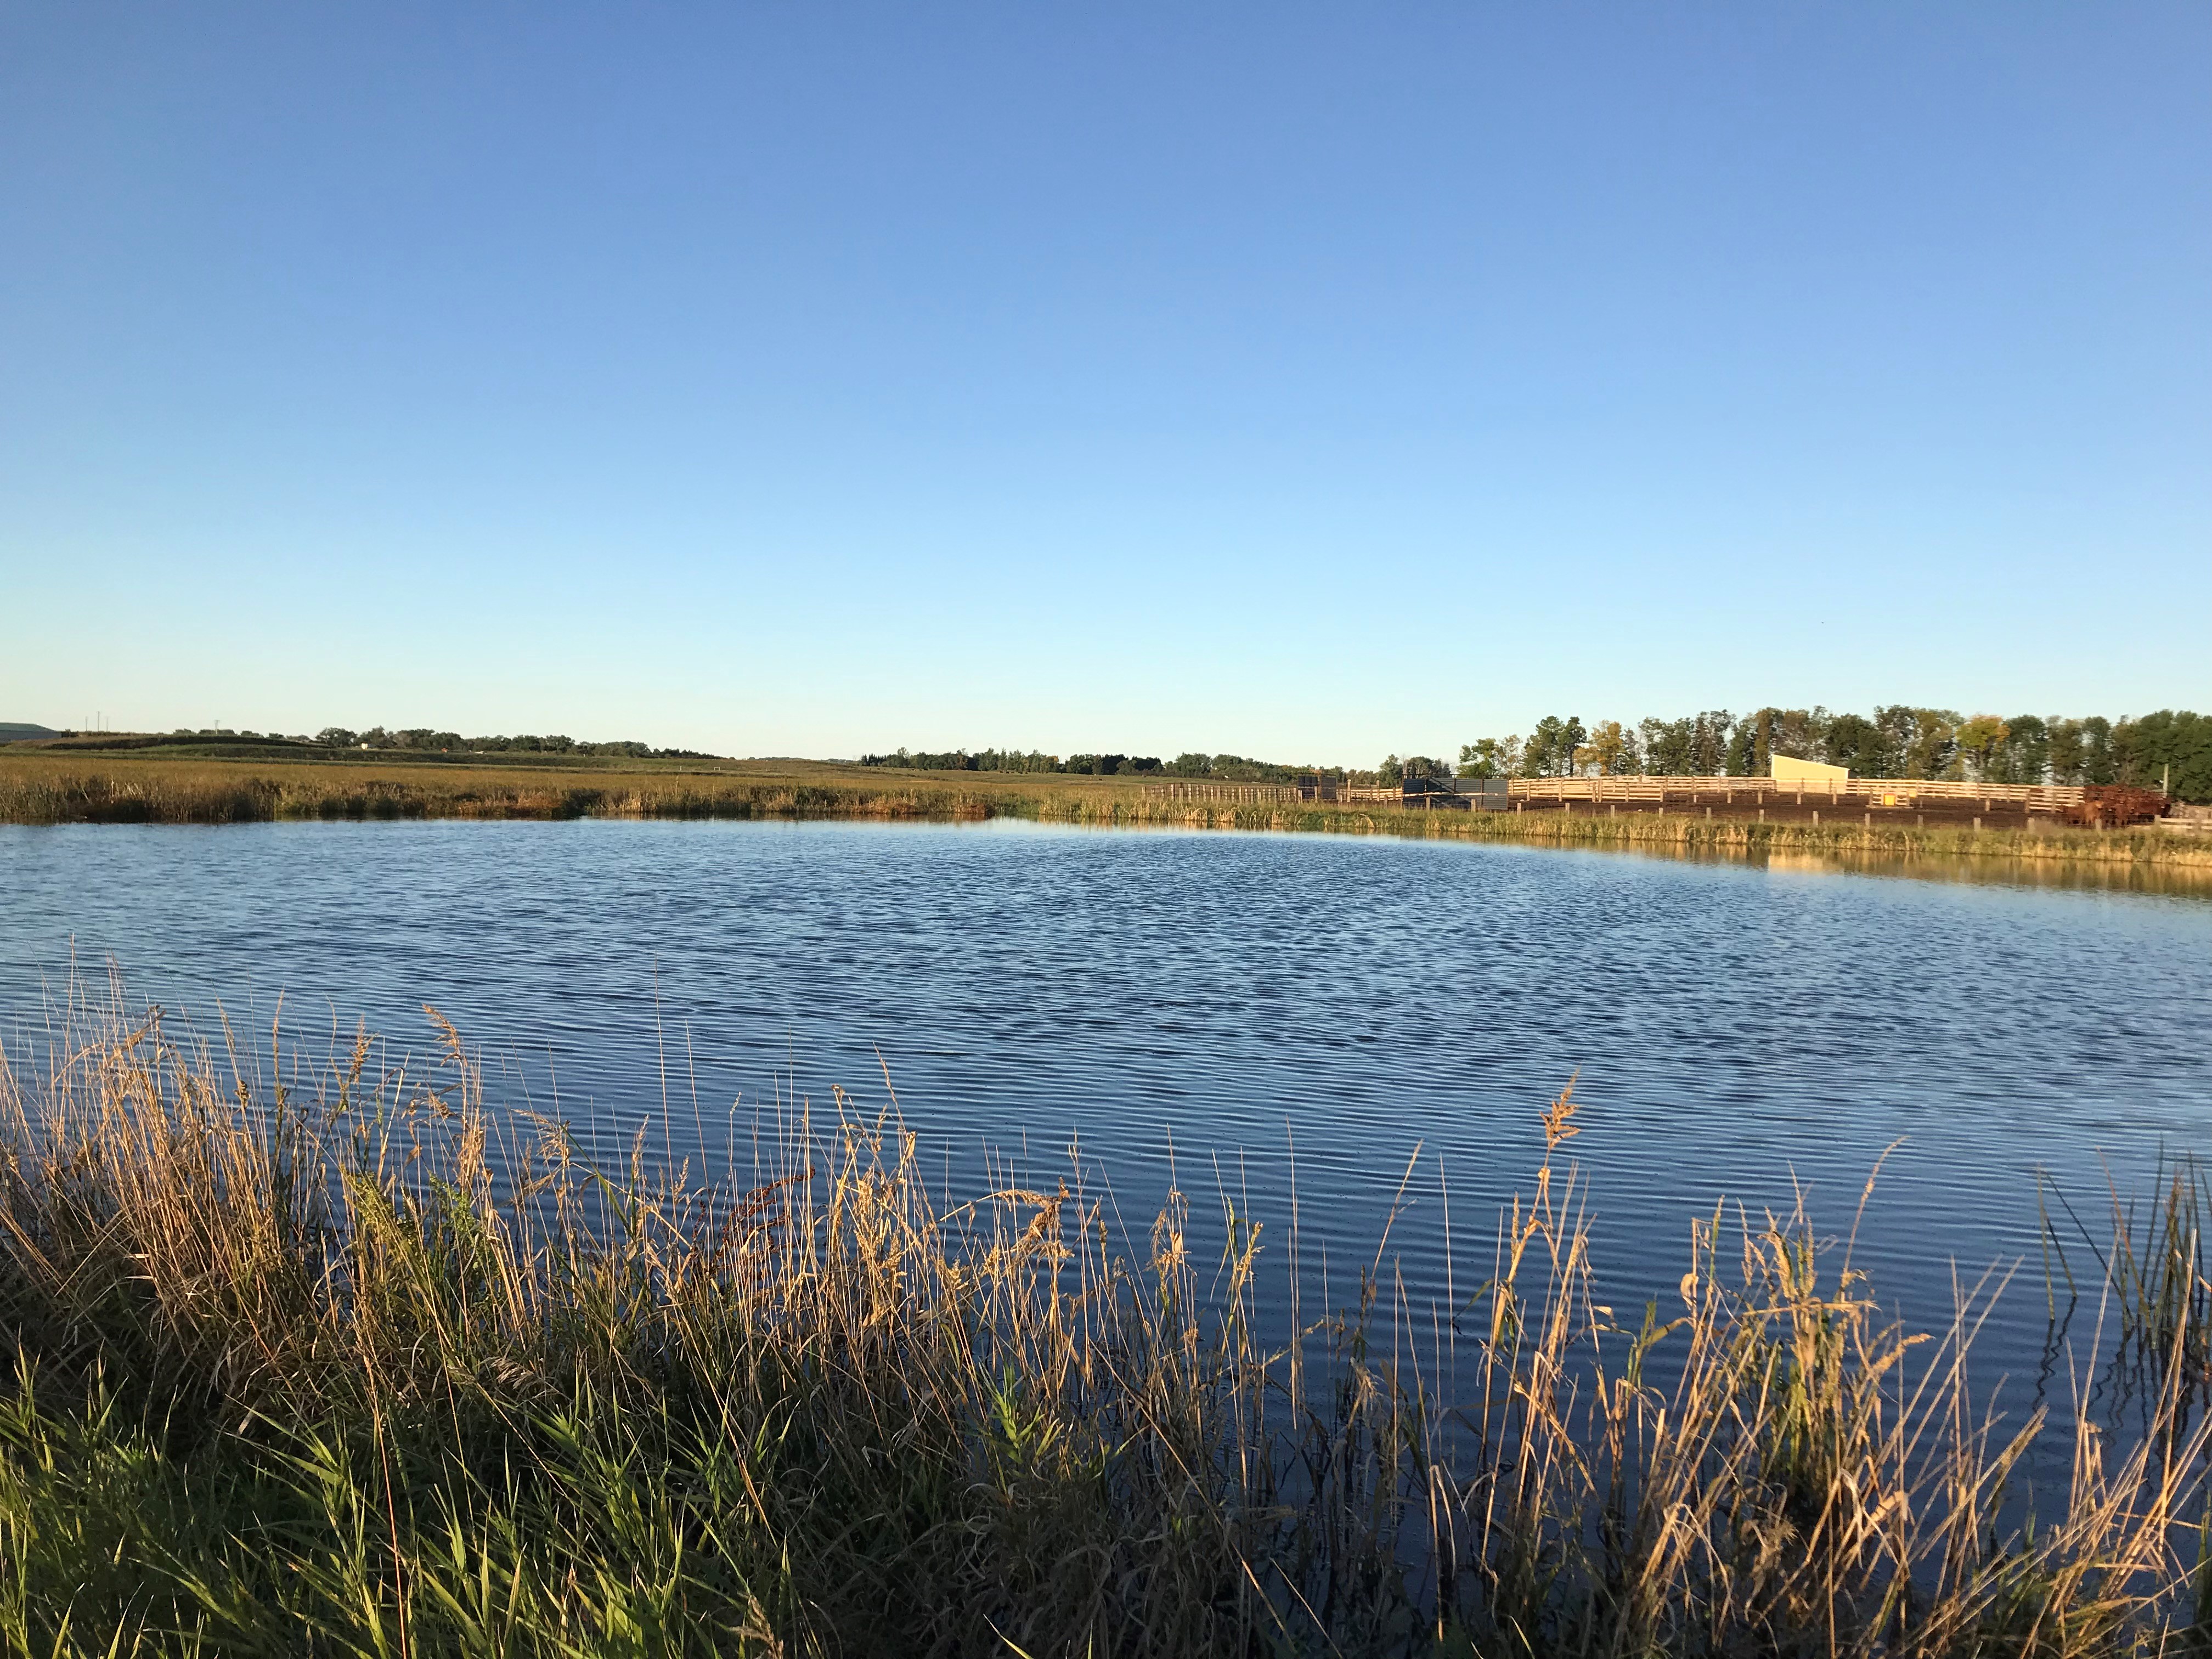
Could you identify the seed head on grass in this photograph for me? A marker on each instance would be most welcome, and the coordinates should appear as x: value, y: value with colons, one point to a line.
x: 366, y: 1358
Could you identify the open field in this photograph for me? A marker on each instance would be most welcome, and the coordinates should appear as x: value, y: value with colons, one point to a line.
x: 62, y: 788
x: 355, y: 1364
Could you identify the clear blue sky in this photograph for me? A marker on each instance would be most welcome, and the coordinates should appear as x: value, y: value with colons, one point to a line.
x: 1297, y: 381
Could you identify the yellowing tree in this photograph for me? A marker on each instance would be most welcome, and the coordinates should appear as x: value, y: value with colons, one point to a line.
x: 1980, y: 739
x: 1608, y: 744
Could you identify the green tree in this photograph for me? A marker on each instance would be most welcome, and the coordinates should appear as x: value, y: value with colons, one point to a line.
x: 2167, y: 749
x: 1669, y: 747
x: 1751, y: 746
x: 1571, y: 738
x: 1552, y: 746
x: 1856, y: 742
x: 2098, y: 764
x: 1744, y: 749
x: 2027, y: 755
x: 1931, y: 750
x: 1480, y: 759
x: 1800, y: 734
x: 1898, y: 726
x: 1709, y: 742
x: 1537, y: 759
x: 2065, y: 752
x: 1980, y: 740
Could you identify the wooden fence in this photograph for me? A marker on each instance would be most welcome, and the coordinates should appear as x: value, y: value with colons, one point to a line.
x: 1752, y: 791
x: 1246, y: 795
x: 1230, y: 794
x: 1867, y: 793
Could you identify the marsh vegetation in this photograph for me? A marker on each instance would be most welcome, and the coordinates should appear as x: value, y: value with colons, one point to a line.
x: 54, y: 788
x: 352, y: 1363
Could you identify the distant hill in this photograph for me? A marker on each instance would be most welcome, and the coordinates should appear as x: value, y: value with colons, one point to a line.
x: 13, y: 731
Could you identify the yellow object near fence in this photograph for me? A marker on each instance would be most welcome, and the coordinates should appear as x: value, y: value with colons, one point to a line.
x: 1786, y: 768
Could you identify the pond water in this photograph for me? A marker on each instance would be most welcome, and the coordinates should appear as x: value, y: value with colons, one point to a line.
x: 1244, y: 1005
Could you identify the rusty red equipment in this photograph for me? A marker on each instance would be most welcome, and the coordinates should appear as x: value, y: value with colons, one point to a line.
x: 2116, y: 805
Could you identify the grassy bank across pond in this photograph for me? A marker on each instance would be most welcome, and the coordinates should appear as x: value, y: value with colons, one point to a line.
x: 1681, y: 832
x: 56, y: 788
x: 359, y: 1366
x: 51, y: 788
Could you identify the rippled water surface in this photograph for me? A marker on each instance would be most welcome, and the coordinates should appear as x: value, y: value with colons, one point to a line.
x: 1733, y: 1029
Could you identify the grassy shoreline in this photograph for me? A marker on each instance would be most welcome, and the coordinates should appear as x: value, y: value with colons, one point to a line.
x: 328, y: 1368
x: 54, y: 789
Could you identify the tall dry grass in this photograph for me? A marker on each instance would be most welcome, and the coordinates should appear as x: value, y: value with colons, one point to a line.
x: 336, y: 1358
x: 51, y: 788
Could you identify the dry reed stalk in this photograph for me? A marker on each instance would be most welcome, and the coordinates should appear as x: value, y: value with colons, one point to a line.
x: 57, y: 788
x: 343, y: 1344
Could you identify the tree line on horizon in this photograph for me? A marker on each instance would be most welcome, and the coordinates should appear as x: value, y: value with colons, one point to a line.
x: 2169, y: 748
x: 1228, y: 768
x: 422, y: 739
